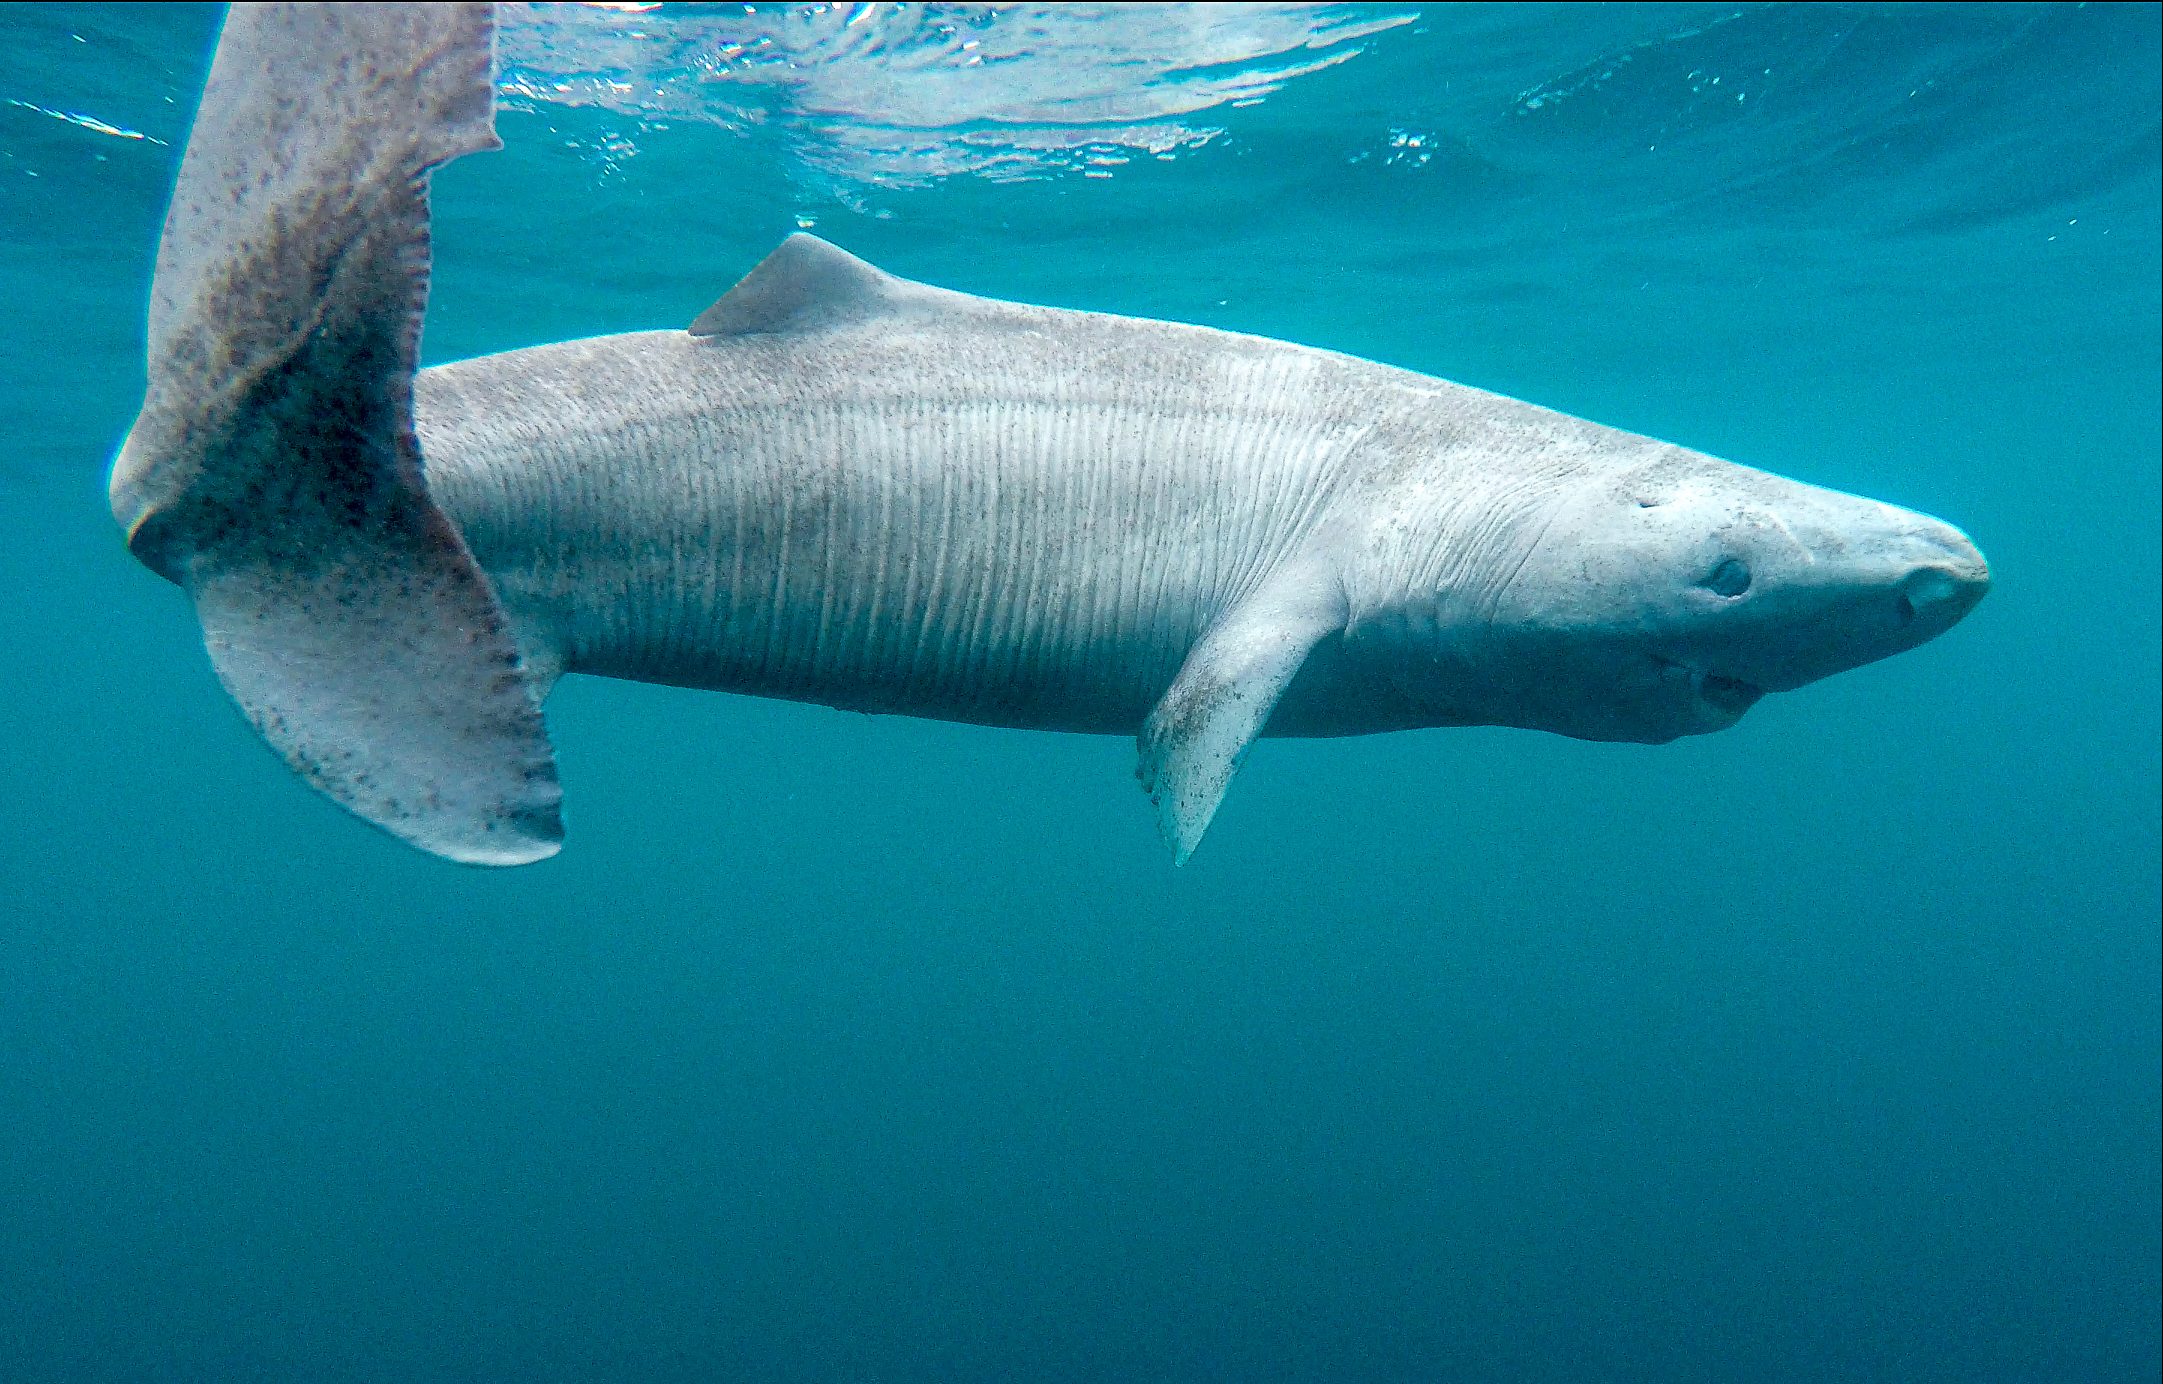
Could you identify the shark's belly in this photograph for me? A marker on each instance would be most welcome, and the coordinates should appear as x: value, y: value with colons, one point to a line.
x: 951, y: 534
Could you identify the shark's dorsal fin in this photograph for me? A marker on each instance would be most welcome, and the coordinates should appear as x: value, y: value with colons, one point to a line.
x: 807, y: 284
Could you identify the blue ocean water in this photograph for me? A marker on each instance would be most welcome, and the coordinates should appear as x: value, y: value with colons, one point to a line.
x: 848, y: 1049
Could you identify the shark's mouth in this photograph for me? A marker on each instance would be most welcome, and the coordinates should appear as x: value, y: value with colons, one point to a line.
x: 1731, y: 695
x: 1728, y: 697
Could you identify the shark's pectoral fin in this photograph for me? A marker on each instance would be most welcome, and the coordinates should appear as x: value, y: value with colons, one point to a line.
x: 273, y: 471
x: 1195, y: 739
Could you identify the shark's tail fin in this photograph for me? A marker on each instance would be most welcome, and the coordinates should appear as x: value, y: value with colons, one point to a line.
x: 273, y: 470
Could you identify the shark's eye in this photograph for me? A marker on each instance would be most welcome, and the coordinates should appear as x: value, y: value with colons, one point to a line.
x: 1730, y: 577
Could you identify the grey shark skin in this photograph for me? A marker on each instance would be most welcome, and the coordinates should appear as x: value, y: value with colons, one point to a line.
x: 846, y: 488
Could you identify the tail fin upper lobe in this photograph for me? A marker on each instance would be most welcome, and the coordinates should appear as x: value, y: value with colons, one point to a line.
x: 273, y: 470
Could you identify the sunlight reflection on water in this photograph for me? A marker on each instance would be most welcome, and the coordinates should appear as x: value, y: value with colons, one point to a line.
x: 902, y: 95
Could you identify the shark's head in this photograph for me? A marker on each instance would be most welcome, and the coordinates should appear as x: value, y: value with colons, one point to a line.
x: 1666, y: 598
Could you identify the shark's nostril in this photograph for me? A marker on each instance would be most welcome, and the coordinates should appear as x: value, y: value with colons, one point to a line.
x: 1937, y: 594
x: 1929, y: 587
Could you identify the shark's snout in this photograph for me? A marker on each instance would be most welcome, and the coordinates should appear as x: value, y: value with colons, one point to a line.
x: 1878, y: 583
